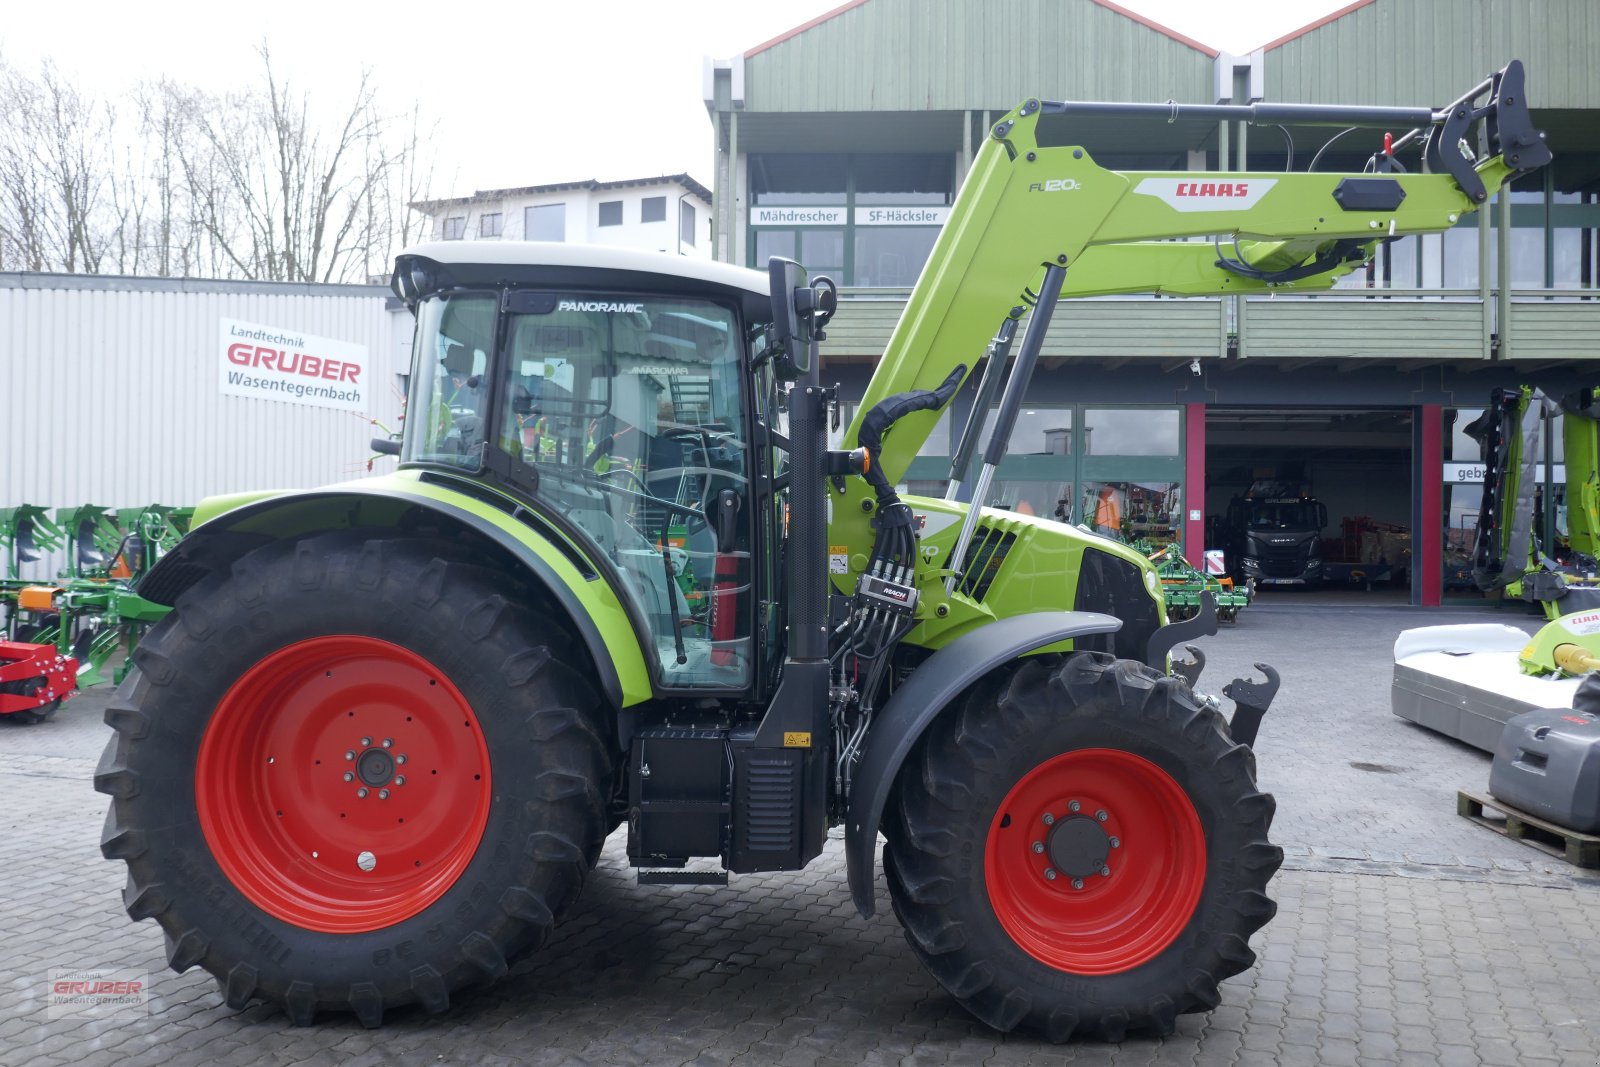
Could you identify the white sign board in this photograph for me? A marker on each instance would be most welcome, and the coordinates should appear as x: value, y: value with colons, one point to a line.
x: 797, y: 216
x: 1472, y: 473
x: 273, y: 363
x: 901, y: 216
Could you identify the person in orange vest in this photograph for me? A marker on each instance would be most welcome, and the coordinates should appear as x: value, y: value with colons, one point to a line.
x: 1108, y: 512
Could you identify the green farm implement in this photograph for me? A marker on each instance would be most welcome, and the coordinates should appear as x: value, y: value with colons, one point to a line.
x: 1184, y: 585
x: 83, y: 615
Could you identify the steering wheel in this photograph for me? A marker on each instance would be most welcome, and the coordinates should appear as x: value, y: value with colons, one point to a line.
x: 698, y: 439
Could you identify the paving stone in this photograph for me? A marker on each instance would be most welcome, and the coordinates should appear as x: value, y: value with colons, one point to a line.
x: 1481, y: 955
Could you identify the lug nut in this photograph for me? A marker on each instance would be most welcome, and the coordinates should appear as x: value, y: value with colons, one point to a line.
x: 349, y: 755
x: 365, y: 741
x: 388, y: 742
x: 349, y: 777
x: 1049, y: 874
x: 1105, y: 872
x: 1116, y: 842
x: 1101, y: 815
x: 401, y: 780
x: 1049, y: 820
x: 401, y: 758
x: 362, y: 792
x: 1038, y: 846
x: 1077, y: 883
x: 1073, y: 805
x: 383, y: 794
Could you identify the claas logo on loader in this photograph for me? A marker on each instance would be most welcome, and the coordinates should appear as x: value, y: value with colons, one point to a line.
x: 1213, y: 189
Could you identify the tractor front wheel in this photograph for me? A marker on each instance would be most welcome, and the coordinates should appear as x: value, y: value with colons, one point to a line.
x: 1081, y: 850
x: 352, y: 775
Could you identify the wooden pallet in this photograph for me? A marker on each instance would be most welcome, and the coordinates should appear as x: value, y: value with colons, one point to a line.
x: 1580, y: 850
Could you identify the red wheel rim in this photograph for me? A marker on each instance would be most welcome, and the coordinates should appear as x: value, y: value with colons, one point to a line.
x: 343, y: 784
x: 1046, y: 890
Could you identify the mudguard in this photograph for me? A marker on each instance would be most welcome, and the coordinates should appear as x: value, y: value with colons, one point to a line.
x: 571, y: 580
x: 936, y: 682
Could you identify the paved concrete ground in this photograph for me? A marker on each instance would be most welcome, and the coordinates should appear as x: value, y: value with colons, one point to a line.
x: 1405, y: 934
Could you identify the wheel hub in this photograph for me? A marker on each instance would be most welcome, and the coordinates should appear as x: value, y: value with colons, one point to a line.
x: 1078, y: 847
x: 375, y: 767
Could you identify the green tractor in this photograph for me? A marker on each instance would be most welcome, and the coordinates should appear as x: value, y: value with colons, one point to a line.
x: 371, y: 756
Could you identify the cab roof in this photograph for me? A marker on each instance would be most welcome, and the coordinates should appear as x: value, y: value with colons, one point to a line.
x: 551, y: 262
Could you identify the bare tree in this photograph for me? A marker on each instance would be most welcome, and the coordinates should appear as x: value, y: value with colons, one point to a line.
x: 52, y: 173
x: 255, y: 183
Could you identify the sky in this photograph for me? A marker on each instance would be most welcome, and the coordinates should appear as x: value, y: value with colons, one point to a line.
x: 523, y: 93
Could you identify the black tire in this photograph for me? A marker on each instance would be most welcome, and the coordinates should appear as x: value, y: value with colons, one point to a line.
x: 948, y: 802
x: 31, y: 716
x: 540, y: 723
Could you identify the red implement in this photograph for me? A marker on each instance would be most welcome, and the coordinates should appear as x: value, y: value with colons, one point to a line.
x: 34, y: 676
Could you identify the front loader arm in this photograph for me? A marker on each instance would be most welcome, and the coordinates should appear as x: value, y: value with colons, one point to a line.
x: 1026, y: 205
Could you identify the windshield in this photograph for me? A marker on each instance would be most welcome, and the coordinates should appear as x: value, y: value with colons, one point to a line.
x: 624, y: 414
x: 449, y: 389
x: 1294, y: 514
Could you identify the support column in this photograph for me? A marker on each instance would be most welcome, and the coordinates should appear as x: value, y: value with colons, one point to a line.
x: 1427, y: 536
x: 1194, y: 484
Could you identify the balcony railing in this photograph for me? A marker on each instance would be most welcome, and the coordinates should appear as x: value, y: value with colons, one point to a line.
x: 1343, y: 324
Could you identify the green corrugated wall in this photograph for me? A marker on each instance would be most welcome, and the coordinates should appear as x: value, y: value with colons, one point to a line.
x: 1406, y: 52
x: 951, y: 55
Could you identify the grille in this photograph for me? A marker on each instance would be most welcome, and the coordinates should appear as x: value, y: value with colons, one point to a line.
x: 1284, y: 561
x: 985, y: 555
x: 772, y: 796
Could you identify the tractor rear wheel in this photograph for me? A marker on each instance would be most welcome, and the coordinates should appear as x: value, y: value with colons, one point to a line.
x: 350, y: 775
x: 1081, y: 850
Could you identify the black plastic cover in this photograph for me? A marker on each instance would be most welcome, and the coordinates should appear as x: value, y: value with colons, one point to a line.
x: 1114, y: 586
x: 1548, y: 764
x: 1369, y: 194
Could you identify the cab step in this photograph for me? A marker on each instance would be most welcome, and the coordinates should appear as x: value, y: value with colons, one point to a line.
x: 683, y: 877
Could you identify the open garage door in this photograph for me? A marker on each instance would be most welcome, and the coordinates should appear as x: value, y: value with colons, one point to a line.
x: 1312, y: 500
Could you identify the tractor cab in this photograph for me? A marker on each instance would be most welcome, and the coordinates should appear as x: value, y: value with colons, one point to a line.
x: 615, y: 399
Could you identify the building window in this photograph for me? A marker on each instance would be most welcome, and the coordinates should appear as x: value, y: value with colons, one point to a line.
x: 545, y: 222
x: 883, y: 209
x: 653, y: 209
x: 686, y: 223
x: 456, y: 228
x: 611, y: 213
x: 489, y: 224
x: 1131, y: 432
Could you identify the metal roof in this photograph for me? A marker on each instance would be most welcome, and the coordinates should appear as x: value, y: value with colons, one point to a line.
x: 593, y: 184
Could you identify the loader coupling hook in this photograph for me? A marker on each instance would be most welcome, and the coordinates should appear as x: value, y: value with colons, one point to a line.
x: 1251, y: 700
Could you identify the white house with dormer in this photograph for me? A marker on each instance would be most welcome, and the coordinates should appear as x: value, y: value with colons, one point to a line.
x: 671, y: 213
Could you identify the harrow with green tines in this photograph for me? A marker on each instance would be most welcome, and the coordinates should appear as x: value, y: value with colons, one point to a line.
x: 89, y: 610
x: 1182, y: 584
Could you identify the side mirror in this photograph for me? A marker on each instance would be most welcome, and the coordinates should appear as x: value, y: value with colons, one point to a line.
x: 790, y: 331
x: 385, y: 446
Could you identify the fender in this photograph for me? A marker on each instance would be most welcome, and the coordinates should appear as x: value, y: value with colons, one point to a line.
x: 571, y: 580
x: 937, y: 681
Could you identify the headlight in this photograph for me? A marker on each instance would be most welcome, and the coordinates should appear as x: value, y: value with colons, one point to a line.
x: 1250, y: 561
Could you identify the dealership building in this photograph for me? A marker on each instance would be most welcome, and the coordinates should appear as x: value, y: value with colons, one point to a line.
x: 843, y: 142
